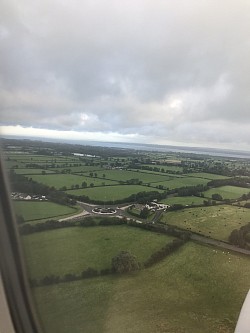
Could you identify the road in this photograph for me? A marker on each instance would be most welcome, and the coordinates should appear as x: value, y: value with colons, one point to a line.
x: 121, y: 212
x: 214, y: 242
x: 88, y: 210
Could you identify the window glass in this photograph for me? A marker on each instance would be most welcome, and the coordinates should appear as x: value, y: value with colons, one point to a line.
x: 125, y: 138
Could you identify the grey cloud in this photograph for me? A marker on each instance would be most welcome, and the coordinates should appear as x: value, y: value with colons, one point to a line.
x: 159, y: 68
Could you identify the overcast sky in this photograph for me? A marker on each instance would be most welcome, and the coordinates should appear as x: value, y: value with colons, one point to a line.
x: 153, y: 71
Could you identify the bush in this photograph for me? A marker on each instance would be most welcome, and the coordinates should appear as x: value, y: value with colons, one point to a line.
x: 88, y: 222
x: 124, y: 262
x: 69, y: 277
x: 50, y: 279
x: 176, y: 207
x: 105, y: 271
x: 163, y: 252
x: 217, y: 196
x: 112, y: 221
x: 89, y: 273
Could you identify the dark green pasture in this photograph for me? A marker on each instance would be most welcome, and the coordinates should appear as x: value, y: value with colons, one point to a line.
x: 29, y: 171
x: 111, y: 193
x: 67, y: 180
x: 198, y: 289
x: 165, y: 167
x: 210, y: 176
x: 124, y: 175
x: 189, y: 200
x: 227, y: 192
x: 38, y: 210
x: 72, y: 250
x: 80, y: 169
x: 182, y: 182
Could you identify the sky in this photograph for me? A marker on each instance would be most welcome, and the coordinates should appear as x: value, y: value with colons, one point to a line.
x: 144, y: 71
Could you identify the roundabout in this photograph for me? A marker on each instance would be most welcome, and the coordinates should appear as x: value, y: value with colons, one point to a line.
x: 102, y: 210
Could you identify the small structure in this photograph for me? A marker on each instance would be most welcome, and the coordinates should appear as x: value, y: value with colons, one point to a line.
x: 156, y: 206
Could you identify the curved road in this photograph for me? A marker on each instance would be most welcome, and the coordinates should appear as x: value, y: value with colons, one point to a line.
x: 121, y: 212
x: 87, y: 211
x: 210, y: 241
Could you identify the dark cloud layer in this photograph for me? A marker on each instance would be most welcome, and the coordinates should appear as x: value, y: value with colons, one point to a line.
x: 165, y: 70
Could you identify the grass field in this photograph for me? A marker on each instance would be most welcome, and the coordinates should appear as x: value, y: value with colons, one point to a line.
x: 12, y: 164
x: 171, y: 175
x: 28, y: 171
x: 82, y: 168
x: 60, y: 180
x: 31, y: 210
x: 205, y: 175
x: 71, y: 250
x: 165, y: 167
x: 123, y: 175
x: 183, y: 200
x: 181, y: 182
x: 214, y: 221
x: 196, y: 290
x: 109, y: 193
x: 28, y: 158
x: 227, y: 192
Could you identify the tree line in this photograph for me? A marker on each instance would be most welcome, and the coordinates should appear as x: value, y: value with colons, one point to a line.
x: 26, y: 228
x: 241, y: 237
x: 237, y: 181
x: 20, y: 183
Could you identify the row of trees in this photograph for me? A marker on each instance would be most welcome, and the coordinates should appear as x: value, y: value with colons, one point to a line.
x: 237, y: 181
x: 141, y: 197
x: 69, y: 277
x: 105, y: 221
x: 241, y: 237
x: 20, y: 183
x: 184, y: 235
x: 155, y: 169
x: 27, y: 228
x: 196, y: 190
x: 164, y: 251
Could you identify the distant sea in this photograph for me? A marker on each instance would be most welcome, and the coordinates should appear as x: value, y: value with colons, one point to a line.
x: 175, y: 149
x: 149, y: 147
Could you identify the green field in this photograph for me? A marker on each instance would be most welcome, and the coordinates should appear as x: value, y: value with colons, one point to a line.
x: 109, y: 193
x: 165, y: 167
x: 31, y: 210
x: 12, y: 164
x: 181, y: 182
x: 72, y: 250
x: 30, y: 158
x: 227, y: 192
x: 60, y: 180
x: 170, y: 175
x: 196, y: 290
x: 124, y: 175
x: 82, y: 168
x: 205, y: 175
x: 191, y: 200
x: 214, y: 221
x: 29, y: 171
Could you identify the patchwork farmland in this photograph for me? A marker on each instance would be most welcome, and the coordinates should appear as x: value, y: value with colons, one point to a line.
x: 70, y: 261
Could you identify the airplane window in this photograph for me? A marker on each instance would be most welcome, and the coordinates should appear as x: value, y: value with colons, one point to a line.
x: 125, y: 166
